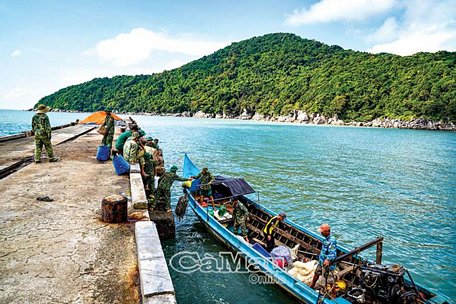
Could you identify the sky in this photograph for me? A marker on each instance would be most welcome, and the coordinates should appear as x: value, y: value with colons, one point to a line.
x: 46, y: 45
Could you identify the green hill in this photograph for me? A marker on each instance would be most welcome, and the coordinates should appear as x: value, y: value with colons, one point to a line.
x: 277, y: 73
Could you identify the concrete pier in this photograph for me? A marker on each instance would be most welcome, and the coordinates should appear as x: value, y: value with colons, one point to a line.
x: 138, y: 194
x: 156, y: 284
x: 17, y: 149
x: 59, y: 251
x: 155, y: 280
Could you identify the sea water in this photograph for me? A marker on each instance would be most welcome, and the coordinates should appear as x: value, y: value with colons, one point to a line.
x: 16, y: 121
x: 364, y: 182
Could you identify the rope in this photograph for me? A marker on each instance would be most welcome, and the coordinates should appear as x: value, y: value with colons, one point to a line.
x: 414, y: 286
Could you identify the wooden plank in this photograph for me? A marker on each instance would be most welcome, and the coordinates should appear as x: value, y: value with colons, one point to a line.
x: 378, y: 256
x: 357, y: 250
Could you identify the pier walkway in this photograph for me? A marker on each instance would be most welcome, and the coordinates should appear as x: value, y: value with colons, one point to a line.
x: 59, y: 251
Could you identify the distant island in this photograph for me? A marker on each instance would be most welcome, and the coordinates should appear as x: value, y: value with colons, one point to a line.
x: 283, y: 77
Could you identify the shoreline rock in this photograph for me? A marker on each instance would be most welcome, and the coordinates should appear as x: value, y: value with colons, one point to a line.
x: 302, y: 117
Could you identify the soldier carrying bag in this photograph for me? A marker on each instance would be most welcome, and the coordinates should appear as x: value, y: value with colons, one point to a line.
x: 102, y: 130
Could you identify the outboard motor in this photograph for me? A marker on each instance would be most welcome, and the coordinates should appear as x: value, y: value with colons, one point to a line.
x: 384, y: 284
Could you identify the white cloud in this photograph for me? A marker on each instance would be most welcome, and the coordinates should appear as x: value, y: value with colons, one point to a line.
x: 16, y: 53
x: 136, y: 46
x: 387, y: 32
x: 339, y: 10
x: 424, y: 40
x: 173, y: 64
x: 427, y: 26
x: 19, y: 91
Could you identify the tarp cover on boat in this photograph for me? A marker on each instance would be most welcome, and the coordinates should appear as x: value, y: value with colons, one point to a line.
x: 224, y: 186
x: 237, y: 186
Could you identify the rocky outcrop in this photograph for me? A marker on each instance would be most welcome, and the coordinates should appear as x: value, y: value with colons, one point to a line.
x: 319, y: 120
x: 418, y: 123
x: 201, y: 114
x: 302, y: 117
x: 245, y: 115
x: 258, y: 116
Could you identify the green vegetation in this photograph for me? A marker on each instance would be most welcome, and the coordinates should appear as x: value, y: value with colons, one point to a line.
x: 278, y: 73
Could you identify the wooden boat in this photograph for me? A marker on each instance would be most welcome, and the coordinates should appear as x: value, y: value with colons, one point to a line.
x: 365, y: 282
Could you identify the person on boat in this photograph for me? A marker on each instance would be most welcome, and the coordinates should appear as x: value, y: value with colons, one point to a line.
x: 206, y: 179
x: 327, y: 254
x: 133, y: 151
x: 163, y: 193
x: 269, y: 230
x: 110, y: 128
x: 240, y: 215
x: 41, y: 128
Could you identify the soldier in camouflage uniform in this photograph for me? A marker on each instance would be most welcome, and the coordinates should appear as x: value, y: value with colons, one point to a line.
x: 163, y: 193
x: 206, y: 179
x: 110, y: 128
x: 240, y: 214
x: 149, y: 168
x: 133, y: 151
x: 41, y: 127
x: 155, y: 145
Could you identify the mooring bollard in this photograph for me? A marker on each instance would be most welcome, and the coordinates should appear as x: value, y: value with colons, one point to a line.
x: 114, y: 209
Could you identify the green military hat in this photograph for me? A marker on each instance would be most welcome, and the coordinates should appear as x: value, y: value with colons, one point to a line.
x: 149, y: 138
x: 135, y: 135
x: 142, y: 132
x: 147, y: 156
x: 42, y: 109
x: 173, y: 168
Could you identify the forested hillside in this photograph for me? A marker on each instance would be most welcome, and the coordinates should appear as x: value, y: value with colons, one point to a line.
x: 277, y: 73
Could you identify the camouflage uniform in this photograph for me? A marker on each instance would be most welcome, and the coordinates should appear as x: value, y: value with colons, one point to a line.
x: 206, y: 180
x: 132, y: 152
x: 159, y: 162
x: 163, y: 193
x: 108, y: 137
x: 153, y: 145
x: 240, y: 214
x: 42, y: 129
x: 149, y: 168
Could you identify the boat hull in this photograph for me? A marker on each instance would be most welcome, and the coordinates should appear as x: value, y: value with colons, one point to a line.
x: 294, y: 287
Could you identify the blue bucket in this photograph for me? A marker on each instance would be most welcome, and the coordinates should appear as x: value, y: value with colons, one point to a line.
x: 103, y: 153
x: 120, y: 165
